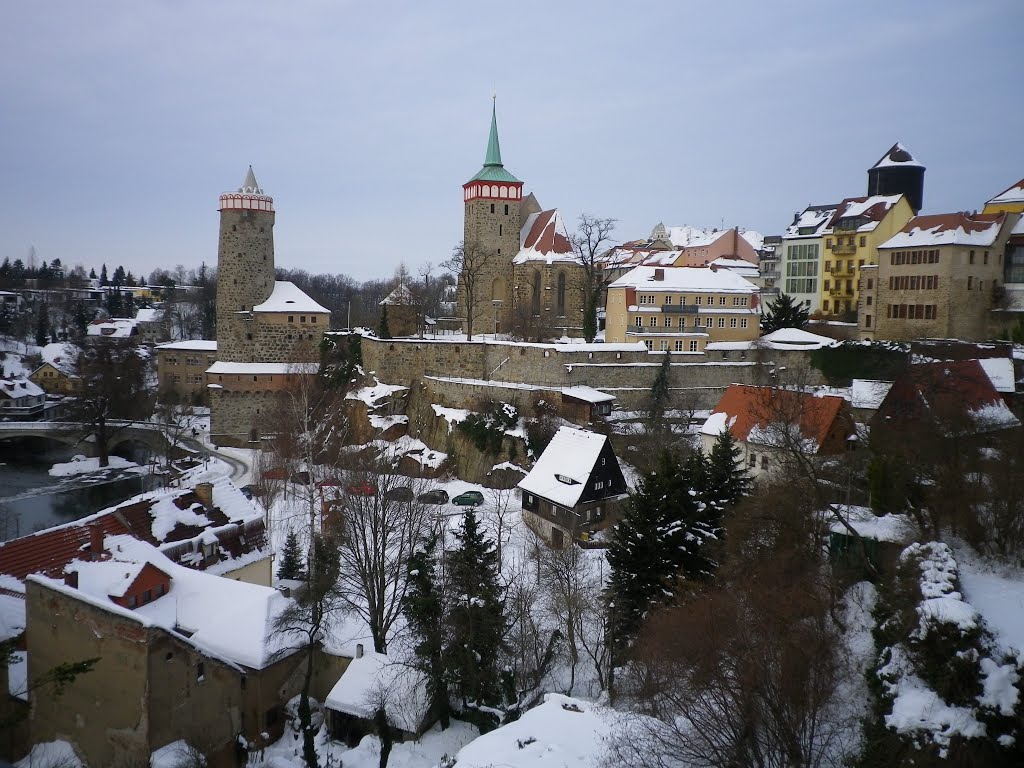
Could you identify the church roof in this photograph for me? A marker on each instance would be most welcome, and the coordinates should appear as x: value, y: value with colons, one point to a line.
x: 493, y: 170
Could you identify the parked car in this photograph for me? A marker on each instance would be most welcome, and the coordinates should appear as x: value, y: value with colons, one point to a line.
x: 361, y: 488
x: 400, y: 493
x: 436, y: 496
x: 469, y: 499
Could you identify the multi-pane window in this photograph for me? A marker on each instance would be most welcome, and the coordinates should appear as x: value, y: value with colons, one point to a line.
x: 721, y: 322
x: 733, y: 322
x: 743, y: 322
x: 679, y: 345
x: 693, y: 346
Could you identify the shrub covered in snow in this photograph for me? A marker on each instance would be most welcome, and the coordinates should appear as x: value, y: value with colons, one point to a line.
x: 937, y: 683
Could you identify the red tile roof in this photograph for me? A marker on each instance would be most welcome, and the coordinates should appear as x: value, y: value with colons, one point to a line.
x: 547, y: 234
x: 47, y: 552
x: 748, y: 406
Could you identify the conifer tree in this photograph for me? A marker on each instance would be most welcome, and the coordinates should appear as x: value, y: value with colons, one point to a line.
x: 727, y: 481
x: 103, y: 275
x: 383, y: 331
x: 784, y: 312
x: 661, y: 540
x: 423, y: 608
x: 476, y: 622
x: 92, y: 273
x: 42, y: 326
x: 80, y: 319
x: 291, y: 558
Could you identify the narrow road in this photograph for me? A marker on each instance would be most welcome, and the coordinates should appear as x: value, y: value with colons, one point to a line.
x: 238, y: 468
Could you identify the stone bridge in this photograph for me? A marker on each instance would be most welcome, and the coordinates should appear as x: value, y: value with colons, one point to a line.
x: 77, y: 435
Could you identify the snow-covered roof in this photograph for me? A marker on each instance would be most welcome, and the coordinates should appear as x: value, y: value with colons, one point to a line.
x: 401, y: 296
x: 544, y: 237
x: 868, y: 393
x: 375, y: 680
x: 1012, y: 194
x: 948, y: 229
x: 191, y: 345
x: 147, y: 315
x: 255, y: 369
x: 677, y: 279
x: 61, y: 355
x: 15, y: 388
x: 587, y: 394
x: 897, y: 156
x: 873, y: 209
x: 560, y: 732
x: 288, y: 297
x: 896, y: 528
x: 228, y: 619
x: 115, y: 327
x: 1000, y: 370
x: 570, y: 455
x: 741, y: 266
x: 813, y: 217
x: 795, y: 338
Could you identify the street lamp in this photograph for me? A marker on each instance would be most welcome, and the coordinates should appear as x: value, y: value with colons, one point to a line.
x: 495, y: 303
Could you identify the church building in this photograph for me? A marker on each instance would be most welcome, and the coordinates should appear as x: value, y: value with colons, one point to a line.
x: 520, y: 274
x: 268, y: 331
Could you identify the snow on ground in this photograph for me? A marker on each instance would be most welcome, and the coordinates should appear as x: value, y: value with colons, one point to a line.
x: 431, y: 750
x: 560, y: 732
x: 80, y: 465
x: 50, y: 753
x: 997, y: 592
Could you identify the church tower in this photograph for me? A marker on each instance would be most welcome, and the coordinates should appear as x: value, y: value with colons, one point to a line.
x: 245, y: 267
x: 493, y: 201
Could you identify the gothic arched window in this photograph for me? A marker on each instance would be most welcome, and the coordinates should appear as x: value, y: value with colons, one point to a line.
x: 535, y: 299
x: 561, y: 294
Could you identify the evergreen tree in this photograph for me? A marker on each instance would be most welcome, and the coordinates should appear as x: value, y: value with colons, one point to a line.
x: 423, y: 608
x: 661, y: 540
x: 115, y: 304
x: 80, y: 319
x: 383, y: 331
x: 103, y: 275
x: 784, y: 312
x: 291, y: 558
x: 6, y: 318
x: 43, y: 326
x: 476, y: 622
x: 92, y: 273
x: 56, y: 270
x: 18, y: 271
x: 727, y: 480
x: 119, y: 276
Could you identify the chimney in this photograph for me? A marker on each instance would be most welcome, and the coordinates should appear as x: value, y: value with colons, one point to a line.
x: 359, y: 650
x: 95, y: 540
x: 659, y: 273
x: 205, y: 493
x: 71, y: 579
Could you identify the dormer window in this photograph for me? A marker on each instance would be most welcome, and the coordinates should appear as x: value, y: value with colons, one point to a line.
x: 566, y: 479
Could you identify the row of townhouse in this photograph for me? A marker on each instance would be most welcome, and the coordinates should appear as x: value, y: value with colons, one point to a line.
x: 899, y: 275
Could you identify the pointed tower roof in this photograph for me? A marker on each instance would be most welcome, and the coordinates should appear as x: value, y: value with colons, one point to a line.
x: 898, y: 155
x: 249, y: 186
x: 493, y: 170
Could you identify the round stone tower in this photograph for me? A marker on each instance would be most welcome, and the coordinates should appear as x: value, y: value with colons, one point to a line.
x: 245, y: 266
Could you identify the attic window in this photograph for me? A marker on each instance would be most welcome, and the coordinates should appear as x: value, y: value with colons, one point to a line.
x: 566, y: 480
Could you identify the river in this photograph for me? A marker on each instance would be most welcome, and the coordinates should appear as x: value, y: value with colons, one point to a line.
x: 31, y: 500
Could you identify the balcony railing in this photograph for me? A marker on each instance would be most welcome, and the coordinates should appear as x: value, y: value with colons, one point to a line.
x: 843, y: 249
x: 842, y: 272
x: 841, y: 292
x: 771, y: 275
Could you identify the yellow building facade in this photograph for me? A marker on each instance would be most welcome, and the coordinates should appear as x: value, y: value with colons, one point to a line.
x: 681, y: 309
x: 858, y: 227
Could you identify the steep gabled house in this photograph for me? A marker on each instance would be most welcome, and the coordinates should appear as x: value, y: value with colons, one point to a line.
x: 575, y: 487
x: 56, y: 374
x: 955, y: 398
x: 768, y: 422
x: 21, y: 399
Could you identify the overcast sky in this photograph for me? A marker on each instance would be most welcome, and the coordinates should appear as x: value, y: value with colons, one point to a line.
x: 121, y: 122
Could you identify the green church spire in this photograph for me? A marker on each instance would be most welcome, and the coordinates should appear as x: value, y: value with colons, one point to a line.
x: 493, y: 170
x: 493, y: 147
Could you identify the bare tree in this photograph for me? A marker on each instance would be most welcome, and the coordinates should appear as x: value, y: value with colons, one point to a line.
x: 381, y: 523
x: 114, y: 392
x: 471, y: 261
x: 503, y: 517
x: 592, y: 238
x: 746, y: 674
